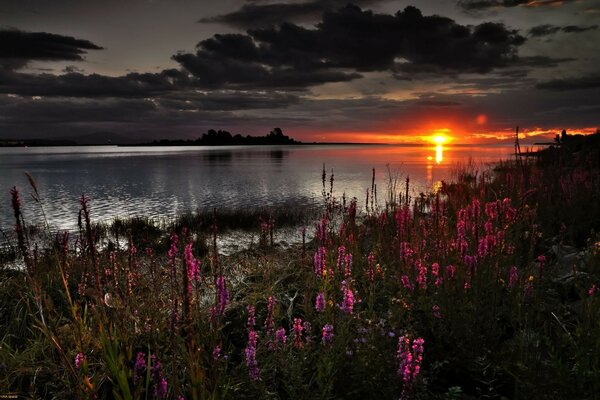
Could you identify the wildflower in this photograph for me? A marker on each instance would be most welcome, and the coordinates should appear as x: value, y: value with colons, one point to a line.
x: 297, y: 328
x: 320, y: 302
x: 371, y: 263
x: 410, y: 359
x: 327, y: 337
x: 140, y: 367
x: 222, y: 295
x: 307, y: 329
x: 435, y: 271
x: 451, y: 271
x: 319, y: 262
x: 193, y: 265
x: 280, y: 336
x: 216, y: 352
x: 421, y: 274
x: 172, y: 253
x: 436, y: 311
x: 541, y: 263
x: 159, y: 381
x: 250, y: 354
x: 406, y: 283
x: 348, y: 265
x: 79, y: 359
x: 251, y: 318
x: 160, y: 389
x: 348, y: 299
x: 593, y: 290
x: 341, y: 257
x: 269, y: 324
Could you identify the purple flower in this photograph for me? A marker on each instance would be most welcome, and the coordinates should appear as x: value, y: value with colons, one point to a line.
x: 160, y: 390
x: 409, y: 361
x: 140, y: 367
x: 250, y: 354
x: 348, y: 299
x: 327, y: 337
x: 307, y: 327
x: 297, y: 328
x: 251, y: 318
x: 269, y: 324
x: 193, y: 265
x: 173, y: 250
x: 436, y: 311
x: 216, y: 353
x: 406, y: 283
x: 222, y: 295
x: 320, y: 302
x: 79, y: 359
x: 280, y: 336
x: 319, y: 261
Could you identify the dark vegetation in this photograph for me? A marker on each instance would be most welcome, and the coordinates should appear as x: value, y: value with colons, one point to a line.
x: 224, y: 138
x: 488, y: 289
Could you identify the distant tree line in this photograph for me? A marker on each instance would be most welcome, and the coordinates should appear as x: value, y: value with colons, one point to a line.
x: 224, y: 138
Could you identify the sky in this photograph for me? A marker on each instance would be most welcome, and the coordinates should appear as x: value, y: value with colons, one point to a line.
x: 390, y: 71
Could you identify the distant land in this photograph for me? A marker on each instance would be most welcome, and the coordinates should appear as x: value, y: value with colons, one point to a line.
x: 211, y: 138
x: 224, y: 138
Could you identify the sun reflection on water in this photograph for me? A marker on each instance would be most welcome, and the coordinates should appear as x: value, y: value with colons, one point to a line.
x: 439, y: 154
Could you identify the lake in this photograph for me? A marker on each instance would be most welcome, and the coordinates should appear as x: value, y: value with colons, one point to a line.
x: 165, y: 181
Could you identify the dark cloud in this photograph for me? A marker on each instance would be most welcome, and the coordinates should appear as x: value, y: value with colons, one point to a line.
x: 50, y: 111
x: 474, y: 5
x: 346, y: 43
x: 546, y: 29
x: 17, y: 47
x: 227, y: 100
x: 577, y: 83
x: 542, y: 61
x: 438, y: 103
x: 543, y: 30
x: 579, y: 29
x: 252, y: 14
x: 75, y: 84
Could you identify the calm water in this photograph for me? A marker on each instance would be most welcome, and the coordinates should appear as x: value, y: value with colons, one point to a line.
x: 164, y: 181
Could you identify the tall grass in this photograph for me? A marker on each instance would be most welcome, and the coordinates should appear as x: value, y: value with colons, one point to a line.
x: 456, y: 294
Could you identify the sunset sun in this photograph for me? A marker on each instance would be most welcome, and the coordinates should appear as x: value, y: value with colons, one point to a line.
x: 440, y: 136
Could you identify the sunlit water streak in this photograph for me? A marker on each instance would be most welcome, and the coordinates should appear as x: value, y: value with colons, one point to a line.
x: 165, y: 181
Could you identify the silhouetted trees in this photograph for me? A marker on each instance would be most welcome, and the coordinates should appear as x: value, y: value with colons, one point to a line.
x: 224, y: 138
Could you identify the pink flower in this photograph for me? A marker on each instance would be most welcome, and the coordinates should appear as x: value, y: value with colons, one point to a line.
x: 79, y: 359
x: 320, y: 302
x: 406, y: 283
x: 436, y: 311
x: 409, y: 361
x: 297, y: 328
x: 250, y: 355
x: 280, y: 336
x: 348, y: 299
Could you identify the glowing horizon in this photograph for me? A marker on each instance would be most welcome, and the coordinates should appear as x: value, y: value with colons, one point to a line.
x: 443, y: 136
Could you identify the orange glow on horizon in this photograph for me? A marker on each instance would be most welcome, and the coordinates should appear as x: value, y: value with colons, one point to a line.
x: 442, y: 136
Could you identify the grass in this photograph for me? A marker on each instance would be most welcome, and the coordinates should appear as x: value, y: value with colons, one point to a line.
x: 457, y: 294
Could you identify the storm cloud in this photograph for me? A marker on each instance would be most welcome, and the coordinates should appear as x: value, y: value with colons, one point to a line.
x: 347, y: 43
x: 547, y: 29
x: 17, y: 47
x: 471, y: 5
